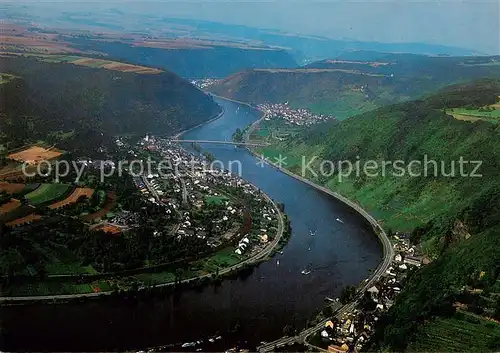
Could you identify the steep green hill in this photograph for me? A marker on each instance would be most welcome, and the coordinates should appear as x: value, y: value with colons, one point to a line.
x: 345, y: 87
x: 456, y: 218
x: 416, y: 130
x: 80, y: 108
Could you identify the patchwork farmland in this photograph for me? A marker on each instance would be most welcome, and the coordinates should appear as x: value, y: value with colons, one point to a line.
x: 73, y: 197
x: 101, y: 63
x: 26, y: 202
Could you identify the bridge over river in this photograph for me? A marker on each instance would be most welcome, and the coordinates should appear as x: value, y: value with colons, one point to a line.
x: 215, y: 142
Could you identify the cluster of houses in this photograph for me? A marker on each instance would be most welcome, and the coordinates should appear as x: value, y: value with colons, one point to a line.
x: 125, y: 218
x: 242, y: 246
x: 299, y: 117
x: 204, y: 82
x: 351, y: 331
x: 191, y: 185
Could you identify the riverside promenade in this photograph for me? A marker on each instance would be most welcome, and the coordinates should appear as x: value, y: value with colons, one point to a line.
x: 388, y: 253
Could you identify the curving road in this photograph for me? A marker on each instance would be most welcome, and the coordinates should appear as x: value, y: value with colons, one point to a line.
x: 388, y: 255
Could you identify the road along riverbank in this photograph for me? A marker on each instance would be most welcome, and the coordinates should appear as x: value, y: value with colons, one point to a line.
x: 388, y: 251
x: 244, y: 311
x: 386, y: 243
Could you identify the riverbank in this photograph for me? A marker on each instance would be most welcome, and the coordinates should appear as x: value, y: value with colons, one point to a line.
x: 257, y: 258
x: 266, y: 251
x: 387, y: 245
x: 388, y: 252
x: 379, y: 231
x: 339, y: 255
x: 218, y: 116
x: 178, y: 135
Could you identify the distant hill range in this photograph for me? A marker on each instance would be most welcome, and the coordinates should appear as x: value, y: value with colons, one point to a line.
x: 80, y: 108
x: 191, y: 59
x: 188, y: 57
x: 303, y: 48
x: 355, y: 82
x: 191, y: 48
x: 311, y: 47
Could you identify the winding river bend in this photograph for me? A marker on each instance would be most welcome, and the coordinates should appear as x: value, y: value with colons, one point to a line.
x: 272, y: 296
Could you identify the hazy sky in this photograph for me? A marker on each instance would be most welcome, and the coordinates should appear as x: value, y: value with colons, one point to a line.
x: 468, y: 24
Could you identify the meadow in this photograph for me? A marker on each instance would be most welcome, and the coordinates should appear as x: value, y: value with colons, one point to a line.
x: 492, y: 115
x: 344, y: 106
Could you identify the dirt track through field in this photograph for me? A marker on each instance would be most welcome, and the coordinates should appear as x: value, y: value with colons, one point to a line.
x: 29, y: 218
x: 73, y: 197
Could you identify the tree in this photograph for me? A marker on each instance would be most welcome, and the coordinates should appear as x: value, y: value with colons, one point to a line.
x: 288, y: 330
x: 327, y: 311
x: 238, y: 135
x: 347, y: 294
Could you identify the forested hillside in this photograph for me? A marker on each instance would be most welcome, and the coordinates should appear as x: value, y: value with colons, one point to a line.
x: 455, y: 218
x: 344, y: 88
x: 80, y: 108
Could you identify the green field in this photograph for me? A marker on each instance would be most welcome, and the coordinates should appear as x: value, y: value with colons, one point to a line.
x: 273, y: 155
x: 475, y: 114
x: 274, y: 129
x: 4, y: 78
x: 160, y: 277
x: 53, y: 288
x: 60, y: 268
x: 62, y: 135
x: 59, y: 58
x: 215, y: 200
x: 218, y: 261
x: 463, y: 332
x: 48, y: 192
x: 224, y: 258
x: 346, y: 105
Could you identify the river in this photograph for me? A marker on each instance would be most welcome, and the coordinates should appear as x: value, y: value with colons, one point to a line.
x: 273, y: 296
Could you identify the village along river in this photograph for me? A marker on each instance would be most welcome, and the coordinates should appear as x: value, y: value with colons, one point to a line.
x: 272, y: 296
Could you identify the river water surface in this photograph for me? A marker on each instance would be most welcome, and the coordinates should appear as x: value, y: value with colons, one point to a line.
x: 273, y: 296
